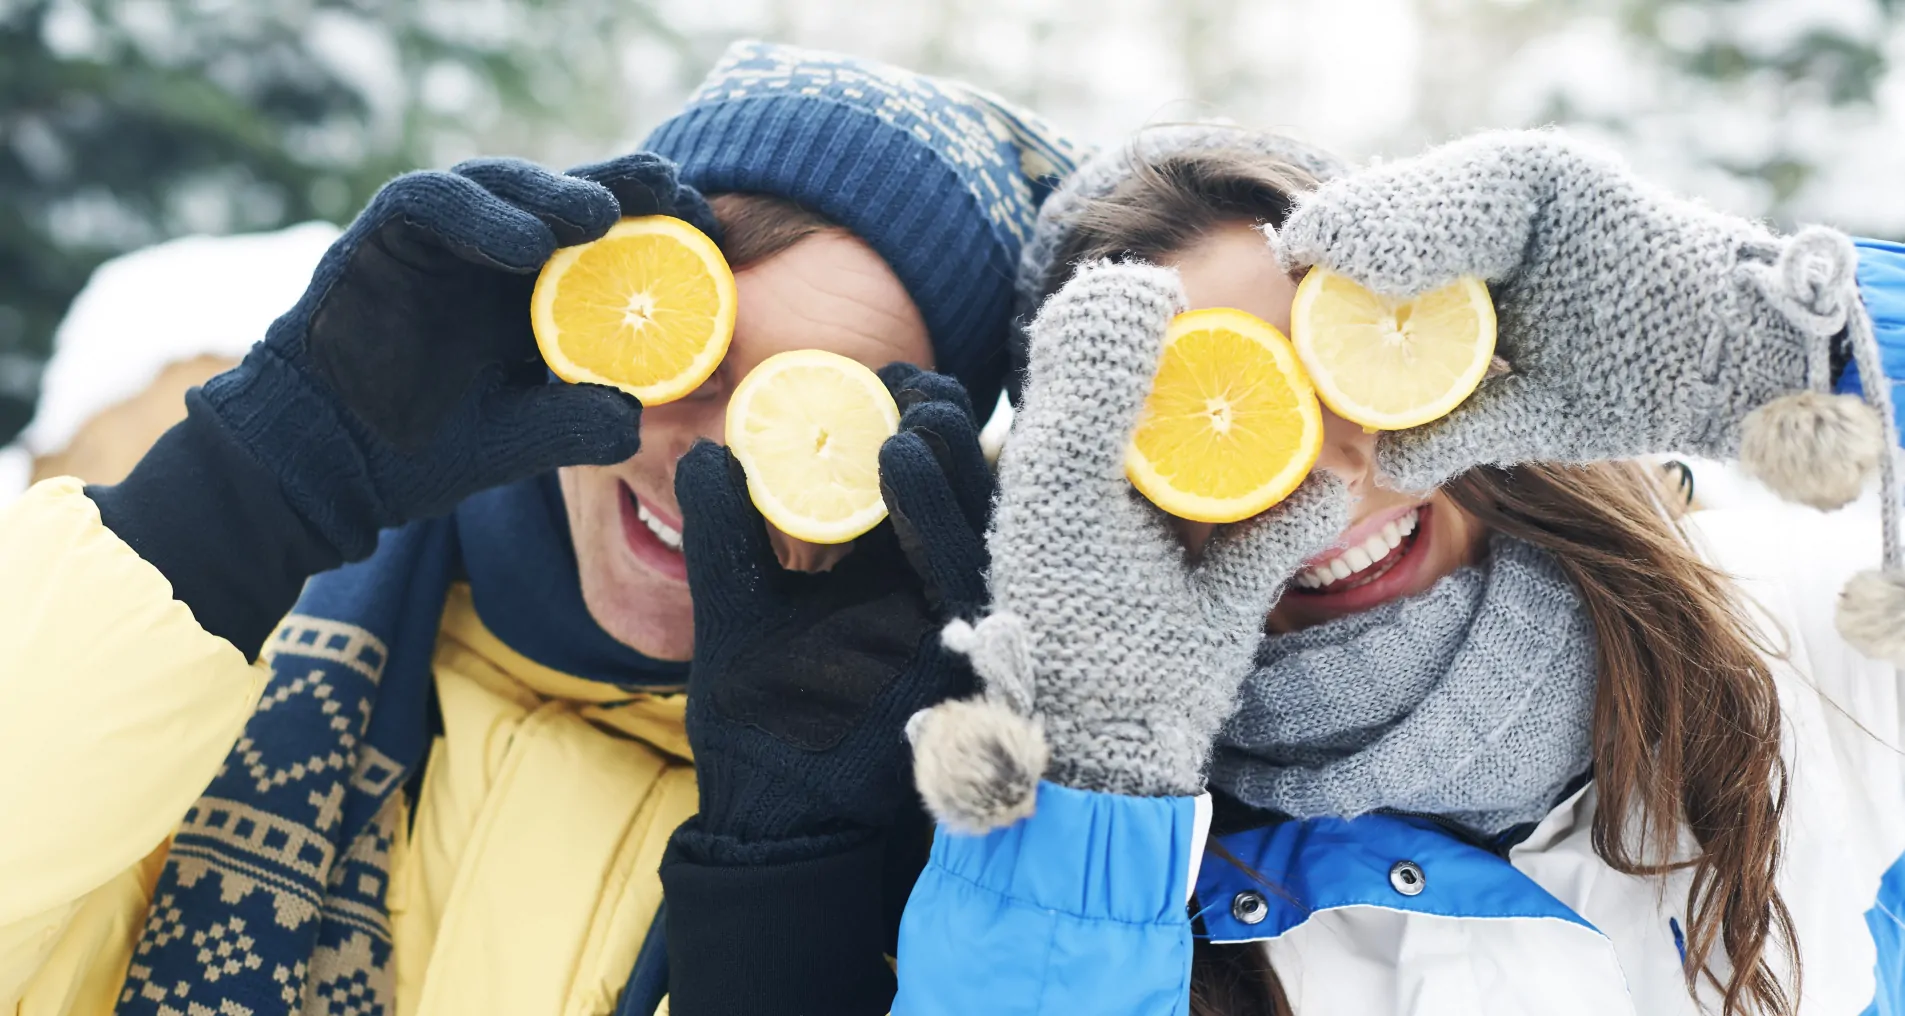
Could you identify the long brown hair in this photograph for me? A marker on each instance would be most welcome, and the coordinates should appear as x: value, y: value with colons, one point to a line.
x: 1686, y: 729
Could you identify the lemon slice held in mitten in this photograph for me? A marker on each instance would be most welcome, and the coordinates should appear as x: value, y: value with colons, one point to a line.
x: 1392, y: 364
x: 1231, y: 426
x: 647, y: 308
x: 807, y: 426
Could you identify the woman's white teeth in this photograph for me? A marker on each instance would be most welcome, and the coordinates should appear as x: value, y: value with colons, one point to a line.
x: 1361, y: 557
x: 667, y: 534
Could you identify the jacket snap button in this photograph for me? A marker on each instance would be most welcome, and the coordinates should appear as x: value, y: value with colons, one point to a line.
x: 1406, y: 877
x: 1249, y: 907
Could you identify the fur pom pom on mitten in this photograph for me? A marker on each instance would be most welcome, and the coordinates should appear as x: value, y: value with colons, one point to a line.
x: 1813, y: 448
x: 1810, y: 447
x: 1871, y: 615
x: 978, y: 761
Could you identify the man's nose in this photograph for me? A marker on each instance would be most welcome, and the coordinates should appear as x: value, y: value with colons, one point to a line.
x: 1349, y: 451
x: 714, y: 420
x: 674, y: 427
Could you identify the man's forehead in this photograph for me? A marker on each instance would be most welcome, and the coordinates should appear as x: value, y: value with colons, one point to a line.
x: 829, y: 291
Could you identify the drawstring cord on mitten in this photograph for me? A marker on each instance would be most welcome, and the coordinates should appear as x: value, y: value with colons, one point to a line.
x: 1000, y: 655
x: 1815, y: 285
x: 1876, y: 388
x: 1871, y: 612
x: 978, y: 761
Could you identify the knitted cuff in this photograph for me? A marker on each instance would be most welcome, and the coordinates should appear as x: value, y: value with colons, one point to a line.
x: 802, y: 937
x: 301, y: 434
x: 693, y: 841
x: 214, y: 521
x: 1134, y: 762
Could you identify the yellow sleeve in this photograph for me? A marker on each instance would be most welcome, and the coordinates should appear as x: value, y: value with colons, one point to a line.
x: 116, y: 710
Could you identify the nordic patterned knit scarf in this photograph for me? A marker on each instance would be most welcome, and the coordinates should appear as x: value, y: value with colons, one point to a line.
x: 272, y: 897
x: 1471, y: 701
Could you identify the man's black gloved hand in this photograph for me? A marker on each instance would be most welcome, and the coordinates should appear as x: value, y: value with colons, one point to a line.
x: 405, y: 379
x: 645, y: 184
x: 802, y: 682
x: 797, y: 706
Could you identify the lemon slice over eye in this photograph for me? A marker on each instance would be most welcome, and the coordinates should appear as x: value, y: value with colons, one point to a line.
x: 807, y: 426
x: 647, y: 308
x: 1231, y: 426
x: 1392, y: 364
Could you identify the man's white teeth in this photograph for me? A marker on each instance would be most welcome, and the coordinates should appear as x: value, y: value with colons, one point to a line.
x: 1361, y: 557
x: 667, y: 534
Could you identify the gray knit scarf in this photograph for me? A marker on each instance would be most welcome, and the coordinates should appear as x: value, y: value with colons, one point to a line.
x: 1471, y: 701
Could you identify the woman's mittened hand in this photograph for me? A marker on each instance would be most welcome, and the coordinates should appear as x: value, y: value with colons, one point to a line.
x: 1105, y: 646
x: 1633, y: 321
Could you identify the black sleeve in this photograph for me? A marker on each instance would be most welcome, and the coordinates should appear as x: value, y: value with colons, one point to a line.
x: 798, y: 938
x: 212, y: 519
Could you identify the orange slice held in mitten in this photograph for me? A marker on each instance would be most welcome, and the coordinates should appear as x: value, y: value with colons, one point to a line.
x: 1231, y: 426
x: 1392, y: 364
x: 647, y: 308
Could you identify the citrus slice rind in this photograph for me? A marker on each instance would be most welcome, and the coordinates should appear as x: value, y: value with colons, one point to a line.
x: 1231, y: 426
x: 647, y: 308
x: 807, y: 426
x: 1392, y: 364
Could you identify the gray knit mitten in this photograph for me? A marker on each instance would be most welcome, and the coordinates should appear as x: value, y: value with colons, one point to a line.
x: 1106, y: 653
x: 1633, y: 322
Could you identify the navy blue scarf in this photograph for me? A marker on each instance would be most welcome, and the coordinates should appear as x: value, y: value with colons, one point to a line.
x: 272, y: 897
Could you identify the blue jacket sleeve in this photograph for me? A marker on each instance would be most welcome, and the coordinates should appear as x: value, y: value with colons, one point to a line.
x: 1079, y: 909
x: 1881, y: 276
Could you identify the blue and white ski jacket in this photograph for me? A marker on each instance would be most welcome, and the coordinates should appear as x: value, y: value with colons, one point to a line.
x: 1081, y: 909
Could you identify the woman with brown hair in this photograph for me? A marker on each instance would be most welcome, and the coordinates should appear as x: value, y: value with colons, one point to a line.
x: 1526, y: 742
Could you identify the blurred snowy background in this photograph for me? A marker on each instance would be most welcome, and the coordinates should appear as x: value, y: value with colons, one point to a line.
x: 128, y: 122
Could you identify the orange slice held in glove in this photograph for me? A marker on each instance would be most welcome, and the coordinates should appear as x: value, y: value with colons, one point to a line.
x: 647, y: 308
x: 1231, y: 426
x: 807, y: 426
x: 1392, y: 364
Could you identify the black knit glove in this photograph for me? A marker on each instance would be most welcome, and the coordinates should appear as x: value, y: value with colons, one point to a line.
x: 798, y: 700
x: 405, y: 379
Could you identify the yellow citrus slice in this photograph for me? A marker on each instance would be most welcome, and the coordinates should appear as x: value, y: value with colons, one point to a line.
x: 648, y: 308
x: 1390, y: 364
x: 807, y: 426
x: 1231, y: 425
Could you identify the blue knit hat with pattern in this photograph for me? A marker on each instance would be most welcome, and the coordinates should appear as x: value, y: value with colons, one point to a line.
x: 942, y: 180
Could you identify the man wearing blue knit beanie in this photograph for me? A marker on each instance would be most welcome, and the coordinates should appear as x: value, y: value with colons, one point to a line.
x: 446, y: 774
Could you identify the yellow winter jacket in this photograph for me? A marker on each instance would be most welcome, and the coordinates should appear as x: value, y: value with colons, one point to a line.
x: 525, y: 883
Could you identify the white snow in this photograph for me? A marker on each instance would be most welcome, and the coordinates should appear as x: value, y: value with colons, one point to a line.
x: 16, y: 467
x: 143, y: 311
